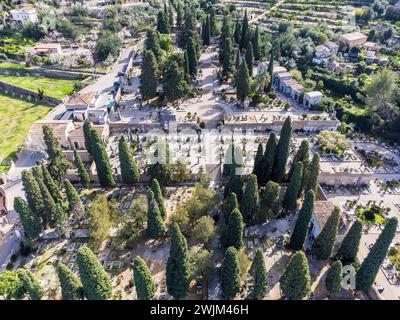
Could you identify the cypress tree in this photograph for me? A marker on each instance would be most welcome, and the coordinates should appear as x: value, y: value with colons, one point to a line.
x: 129, y: 169
x: 232, y: 202
x: 33, y: 195
x: 282, y: 150
x: 269, y: 159
x: 290, y: 199
x: 234, y: 232
x: 333, y: 280
x: 188, y: 27
x: 244, y: 37
x: 237, y: 32
x: 303, y: 222
x: 226, y: 27
x: 103, y: 165
x: 96, y: 282
x: 155, y: 226
x: 58, y: 163
x: 30, y: 284
x: 347, y: 252
x: 83, y: 174
x: 269, y: 203
x: 52, y: 186
x: 270, y: 72
x: 192, y: 57
x: 256, y: 45
x: 313, y: 174
x: 177, y: 271
x: 155, y: 187
x: 249, y: 57
x: 226, y: 56
x: 186, y: 66
x: 37, y: 172
x: 296, y: 281
x: 29, y: 220
x: 238, y: 60
x: 72, y: 194
x: 324, y: 242
x: 242, y: 82
x: 87, y: 126
x: 302, y: 155
x: 251, y: 200
x: 170, y: 17
x: 60, y: 219
x: 235, y: 185
x: 149, y: 75
x: 179, y: 14
x: 258, y: 162
x: 233, y: 161
x: 152, y: 42
x: 213, y: 23
x: 71, y: 286
x: 50, y: 207
x: 162, y: 23
x: 206, y: 31
x: 370, y: 266
x: 175, y: 86
x: 144, y: 284
x: 230, y: 274
x: 259, y: 275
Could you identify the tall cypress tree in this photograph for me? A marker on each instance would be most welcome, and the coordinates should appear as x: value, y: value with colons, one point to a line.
x: 144, y: 284
x: 347, y: 252
x: 242, y: 82
x: 313, y: 174
x: 238, y: 60
x: 233, y: 161
x: 290, y: 199
x: 235, y: 185
x: 249, y: 57
x: 149, y: 75
x: 87, y: 126
x: 72, y: 194
x: 232, y: 202
x: 259, y: 275
x: 162, y: 23
x: 33, y: 195
x: 282, y: 150
x: 179, y: 14
x: 256, y: 45
x: 303, y: 155
x: 258, y: 162
x: 296, y: 281
x: 269, y: 159
x: 30, y: 285
x: 155, y: 187
x: 129, y: 169
x: 230, y: 274
x: 71, y: 286
x: 155, y: 225
x: 270, y: 72
x: 206, y: 31
x: 29, y: 220
x: 192, y: 57
x: 226, y: 29
x: 234, y: 231
x: 251, y: 200
x: 83, y: 174
x: 324, y: 242
x: 50, y: 207
x: 370, y: 266
x: 303, y: 222
x: 269, y: 203
x: 95, y: 281
x: 226, y: 56
x: 333, y: 280
x: 188, y: 26
x: 175, y: 86
x: 213, y: 23
x: 152, y: 42
x: 52, y: 186
x: 177, y: 271
x: 244, y: 37
x: 237, y: 32
x: 103, y: 165
x: 186, y: 67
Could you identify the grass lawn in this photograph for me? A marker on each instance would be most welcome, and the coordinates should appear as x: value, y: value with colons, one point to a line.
x: 56, y: 88
x: 15, y: 118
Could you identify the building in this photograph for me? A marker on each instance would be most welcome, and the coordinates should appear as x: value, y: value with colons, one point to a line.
x: 321, y: 213
x: 48, y: 49
x: 344, y: 173
x: 312, y: 98
x: 78, y: 104
x: 324, y: 52
x: 370, y: 46
x: 24, y: 14
x: 354, y: 39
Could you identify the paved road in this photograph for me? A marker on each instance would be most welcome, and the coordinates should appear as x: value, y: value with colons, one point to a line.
x: 265, y: 12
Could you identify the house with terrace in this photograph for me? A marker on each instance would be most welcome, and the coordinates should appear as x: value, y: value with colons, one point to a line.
x: 354, y: 39
x: 24, y: 14
x: 324, y: 52
x: 78, y: 104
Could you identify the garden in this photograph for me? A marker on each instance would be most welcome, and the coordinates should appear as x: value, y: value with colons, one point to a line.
x: 372, y: 214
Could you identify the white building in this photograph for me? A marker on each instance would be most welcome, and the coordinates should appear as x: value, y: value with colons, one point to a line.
x: 324, y: 52
x: 321, y: 213
x: 24, y: 14
x: 312, y: 98
x: 354, y: 39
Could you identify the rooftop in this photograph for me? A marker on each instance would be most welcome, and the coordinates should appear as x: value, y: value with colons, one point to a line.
x: 81, y: 99
x: 314, y: 94
x: 354, y: 36
x: 322, y: 211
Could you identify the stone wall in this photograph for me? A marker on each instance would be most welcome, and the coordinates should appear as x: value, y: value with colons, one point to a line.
x: 27, y: 94
x: 58, y: 74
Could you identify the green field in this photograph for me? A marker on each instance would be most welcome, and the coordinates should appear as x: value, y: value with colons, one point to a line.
x: 56, y: 88
x: 15, y: 118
